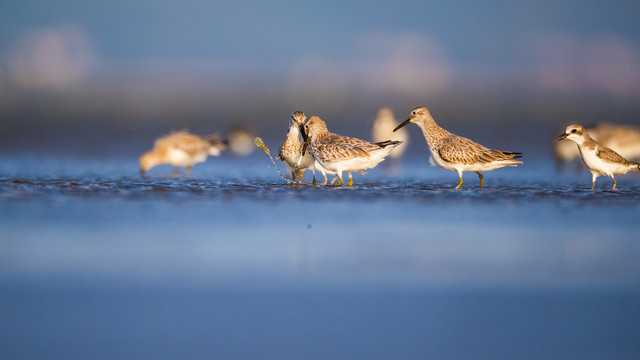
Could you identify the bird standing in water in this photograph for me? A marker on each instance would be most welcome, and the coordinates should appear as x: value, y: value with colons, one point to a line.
x: 457, y: 153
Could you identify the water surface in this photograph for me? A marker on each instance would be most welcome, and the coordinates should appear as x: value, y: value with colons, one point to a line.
x: 234, y: 262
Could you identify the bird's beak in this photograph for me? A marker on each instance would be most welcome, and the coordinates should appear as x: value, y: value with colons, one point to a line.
x: 303, y: 133
x: 562, y: 136
x: 401, y: 125
x: 306, y: 145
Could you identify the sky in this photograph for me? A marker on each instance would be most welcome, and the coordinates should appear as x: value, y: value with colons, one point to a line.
x: 278, y: 33
x: 325, y: 51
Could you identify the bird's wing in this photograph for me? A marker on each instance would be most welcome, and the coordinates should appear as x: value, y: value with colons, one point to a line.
x: 457, y: 149
x: 190, y: 143
x: 610, y: 156
x: 336, y: 147
x: 280, y: 155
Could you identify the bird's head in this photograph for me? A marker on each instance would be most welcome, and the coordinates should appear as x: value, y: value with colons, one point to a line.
x: 574, y: 133
x: 416, y: 115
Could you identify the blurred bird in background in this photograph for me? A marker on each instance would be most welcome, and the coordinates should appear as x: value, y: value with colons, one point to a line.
x: 181, y: 149
x: 241, y: 140
x: 382, y: 130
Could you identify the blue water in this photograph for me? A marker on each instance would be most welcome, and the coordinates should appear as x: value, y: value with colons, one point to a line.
x: 234, y: 263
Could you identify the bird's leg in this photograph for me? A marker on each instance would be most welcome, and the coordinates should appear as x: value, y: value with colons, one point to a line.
x: 350, y: 179
x: 614, y: 182
x: 325, y: 178
x: 481, y: 178
x: 334, y: 179
x: 340, y: 176
x: 593, y: 182
x: 176, y: 171
x: 460, y: 183
x: 313, y: 171
x: 293, y: 174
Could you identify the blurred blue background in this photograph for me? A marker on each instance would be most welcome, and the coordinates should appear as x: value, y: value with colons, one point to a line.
x: 161, y: 65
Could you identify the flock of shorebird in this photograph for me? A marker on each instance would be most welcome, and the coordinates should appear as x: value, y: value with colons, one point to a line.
x: 310, y: 145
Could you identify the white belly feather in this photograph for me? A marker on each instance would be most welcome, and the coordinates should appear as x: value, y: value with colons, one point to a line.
x: 600, y: 167
x: 469, y: 167
x: 357, y: 163
x: 178, y: 157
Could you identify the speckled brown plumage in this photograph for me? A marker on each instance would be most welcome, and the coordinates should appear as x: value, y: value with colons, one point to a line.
x: 457, y: 149
x: 291, y: 149
x: 339, y: 153
x: 453, y: 152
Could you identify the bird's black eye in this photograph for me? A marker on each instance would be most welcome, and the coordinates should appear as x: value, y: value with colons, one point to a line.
x: 574, y: 130
x: 413, y: 113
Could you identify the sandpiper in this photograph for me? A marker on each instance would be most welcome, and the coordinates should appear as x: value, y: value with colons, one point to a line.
x: 623, y: 139
x: 600, y: 160
x: 291, y: 149
x: 180, y: 149
x: 338, y: 153
x: 382, y: 130
x: 453, y: 152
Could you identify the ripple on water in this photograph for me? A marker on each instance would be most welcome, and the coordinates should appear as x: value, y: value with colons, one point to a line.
x: 261, y: 190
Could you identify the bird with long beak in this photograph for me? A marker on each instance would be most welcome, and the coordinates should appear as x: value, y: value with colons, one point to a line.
x: 181, y: 149
x: 457, y: 153
x: 337, y: 153
x: 601, y: 160
x: 291, y: 150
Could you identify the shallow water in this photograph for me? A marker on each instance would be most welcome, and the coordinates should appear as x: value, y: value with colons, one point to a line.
x: 232, y: 262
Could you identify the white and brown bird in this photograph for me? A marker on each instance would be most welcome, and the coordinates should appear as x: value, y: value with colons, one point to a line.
x: 457, y: 153
x: 181, y: 149
x: 601, y: 160
x: 291, y: 149
x: 337, y: 153
x: 382, y: 130
x: 623, y: 139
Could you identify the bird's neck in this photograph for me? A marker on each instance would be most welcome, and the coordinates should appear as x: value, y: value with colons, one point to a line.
x: 321, y: 134
x: 430, y: 130
x: 294, y: 130
x: 587, y: 143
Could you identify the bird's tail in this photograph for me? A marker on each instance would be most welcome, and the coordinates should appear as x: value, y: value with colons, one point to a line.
x: 217, y: 144
x: 637, y: 168
x: 384, y: 144
x: 512, y: 155
x: 216, y: 140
